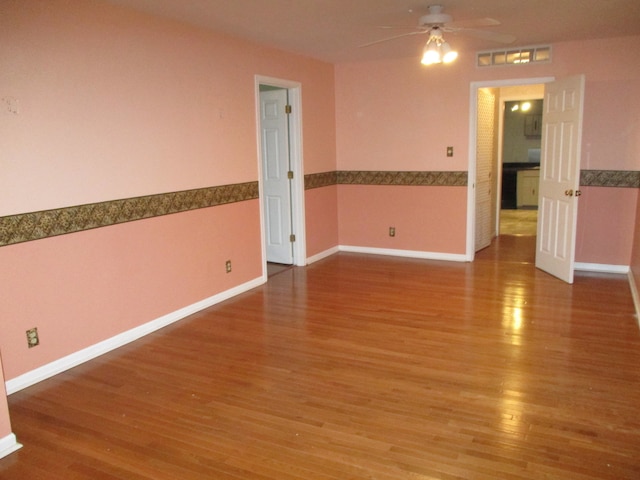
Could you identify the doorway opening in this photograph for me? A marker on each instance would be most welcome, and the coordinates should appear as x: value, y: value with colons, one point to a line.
x: 280, y: 173
x: 488, y: 177
x: 519, y: 159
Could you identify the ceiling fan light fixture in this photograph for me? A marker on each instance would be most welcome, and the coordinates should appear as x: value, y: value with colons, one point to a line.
x: 437, y: 50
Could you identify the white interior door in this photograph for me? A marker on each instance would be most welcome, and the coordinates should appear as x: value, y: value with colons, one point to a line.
x: 485, y: 154
x: 560, y: 176
x: 275, y: 170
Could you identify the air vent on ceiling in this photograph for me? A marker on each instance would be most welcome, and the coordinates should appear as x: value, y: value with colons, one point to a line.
x: 514, y: 56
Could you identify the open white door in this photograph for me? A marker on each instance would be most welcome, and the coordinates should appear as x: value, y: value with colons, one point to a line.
x: 275, y: 170
x: 560, y: 177
x: 485, y: 155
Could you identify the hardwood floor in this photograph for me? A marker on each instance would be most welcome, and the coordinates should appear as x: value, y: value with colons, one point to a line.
x: 360, y: 367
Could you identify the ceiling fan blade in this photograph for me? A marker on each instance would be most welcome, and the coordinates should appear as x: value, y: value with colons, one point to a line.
x: 486, y: 35
x: 392, y: 27
x: 418, y: 32
x: 474, y: 22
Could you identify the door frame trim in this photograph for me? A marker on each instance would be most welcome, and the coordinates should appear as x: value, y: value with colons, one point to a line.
x: 297, y: 185
x: 473, y: 132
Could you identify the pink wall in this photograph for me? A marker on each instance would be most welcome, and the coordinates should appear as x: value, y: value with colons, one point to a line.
x: 115, y: 104
x: 603, y: 211
x: 366, y: 212
x: 402, y: 117
x: 321, y: 205
x: 405, y: 115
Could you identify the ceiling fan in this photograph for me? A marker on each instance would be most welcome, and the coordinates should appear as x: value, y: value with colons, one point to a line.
x: 436, y: 22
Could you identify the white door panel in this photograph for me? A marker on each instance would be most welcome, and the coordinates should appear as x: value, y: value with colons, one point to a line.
x: 276, y: 183
x: 274, y: 221
x: 560, y: 177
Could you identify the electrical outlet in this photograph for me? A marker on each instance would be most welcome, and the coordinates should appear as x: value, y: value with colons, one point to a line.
x: 449, y: 151
x: 32, y: 337
x: 227, y: 266
x: 392, y: 231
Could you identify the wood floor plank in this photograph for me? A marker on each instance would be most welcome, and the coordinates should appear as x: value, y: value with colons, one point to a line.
x: 360, y: 367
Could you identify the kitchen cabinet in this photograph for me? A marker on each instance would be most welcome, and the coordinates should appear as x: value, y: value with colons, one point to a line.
x: 527, y: 188
x: 533, y: 125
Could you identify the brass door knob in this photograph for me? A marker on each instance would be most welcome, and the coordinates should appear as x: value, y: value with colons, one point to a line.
x: 568, y: 193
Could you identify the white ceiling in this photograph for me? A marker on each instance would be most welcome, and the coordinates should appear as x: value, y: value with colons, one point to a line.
x: 333, y: 30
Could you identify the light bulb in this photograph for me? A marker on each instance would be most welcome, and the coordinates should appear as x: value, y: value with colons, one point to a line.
x: 448, y: 55
x: 430, y: 54
x: 430, y: 58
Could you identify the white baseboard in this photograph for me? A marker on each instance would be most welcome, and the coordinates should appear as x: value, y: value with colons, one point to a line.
x: 634, y: 295
x: 450, y: 257
x: 601, y: 268
x: 8, y: 445
x: 321, y: 255
x: 65, y: 363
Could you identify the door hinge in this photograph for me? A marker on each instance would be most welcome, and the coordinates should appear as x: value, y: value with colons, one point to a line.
x: 292, y: 238
x: 290, y: 175
x: 287, y: 109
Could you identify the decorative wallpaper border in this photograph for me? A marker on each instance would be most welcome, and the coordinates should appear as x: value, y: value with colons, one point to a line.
x: 355, y: 177
x: 589, y: 178
x: 49, y: 223
x: 317, y: 180
x: 610, y: 178
x: 446, y: 179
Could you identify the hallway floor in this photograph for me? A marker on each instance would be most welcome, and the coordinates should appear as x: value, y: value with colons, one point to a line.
x: 518, y: 222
